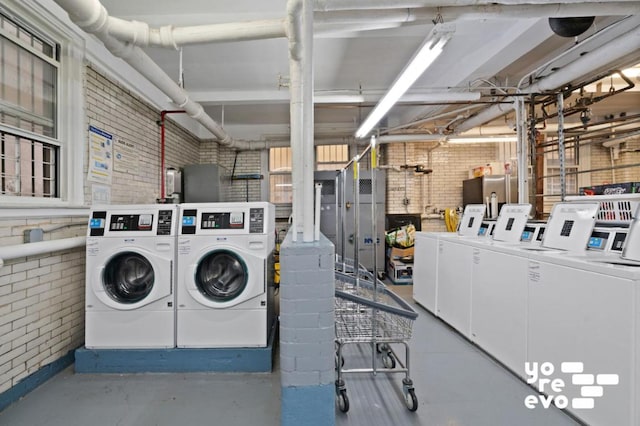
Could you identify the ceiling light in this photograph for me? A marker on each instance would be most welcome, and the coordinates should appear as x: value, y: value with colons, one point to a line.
x: 431, y: 48
x: 482, y: 139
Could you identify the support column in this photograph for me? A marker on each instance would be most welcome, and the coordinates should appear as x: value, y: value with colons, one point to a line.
x: 307, y: 332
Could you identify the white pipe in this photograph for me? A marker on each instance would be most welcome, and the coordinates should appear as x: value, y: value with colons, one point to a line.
x: 92, y: 17
x: 327, y: 5
x: 400, y: 14
x: 316, y: 229
x: 169, y: 36
x: 293, y: 29
x: 308, y: 150
x: 410, y: 138
x: 42, y: 247
x: 618, y: 48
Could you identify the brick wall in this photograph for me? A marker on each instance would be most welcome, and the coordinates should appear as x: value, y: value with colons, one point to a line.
x: 41, y: 300
x: 117, y: 111
x: 439, y: 190
x: 601, y: 158
x: 246, y: 162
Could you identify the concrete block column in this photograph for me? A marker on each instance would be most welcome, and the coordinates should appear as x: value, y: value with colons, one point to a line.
x: 307, y: 332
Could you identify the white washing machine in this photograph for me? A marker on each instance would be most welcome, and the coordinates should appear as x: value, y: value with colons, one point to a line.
x: 225, y: 274
x: 130, y: 273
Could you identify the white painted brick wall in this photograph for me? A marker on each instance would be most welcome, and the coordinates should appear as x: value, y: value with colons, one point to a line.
x: 33, y: 313
x: 117, y: 111
x: 439, y: 190
x: 247, y: 162
x: 42, y: 309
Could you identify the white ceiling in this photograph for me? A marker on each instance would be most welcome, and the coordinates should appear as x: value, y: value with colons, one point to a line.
x: 242, y: 85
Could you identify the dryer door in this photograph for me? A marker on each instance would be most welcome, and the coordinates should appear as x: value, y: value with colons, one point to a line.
x: 223, y: 278
x: 131, y: 279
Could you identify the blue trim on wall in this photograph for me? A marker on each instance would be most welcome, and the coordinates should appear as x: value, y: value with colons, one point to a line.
x: 34, y: 380
x: 308, y: 405
x: 176, y: 360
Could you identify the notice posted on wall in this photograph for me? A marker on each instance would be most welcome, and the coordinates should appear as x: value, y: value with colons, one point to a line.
x: 125, y: 157
x: 100, y: 156
x: 100, y: 194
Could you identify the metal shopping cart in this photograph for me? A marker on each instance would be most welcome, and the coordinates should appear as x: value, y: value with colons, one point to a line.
x: 366, y: 312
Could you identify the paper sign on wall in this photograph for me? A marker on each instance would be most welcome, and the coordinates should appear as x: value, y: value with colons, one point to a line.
x: 100, y: 156
x: 125, y: 158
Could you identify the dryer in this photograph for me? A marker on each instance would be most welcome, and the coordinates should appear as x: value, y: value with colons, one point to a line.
x: 225, y: 274
x: 130, y: 273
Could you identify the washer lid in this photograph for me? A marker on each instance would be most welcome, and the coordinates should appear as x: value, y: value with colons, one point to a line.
x: 221, y: 276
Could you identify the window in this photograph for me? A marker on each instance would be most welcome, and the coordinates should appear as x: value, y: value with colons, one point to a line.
x: 331, y: 157
x: 280, y: 190
x: 328, y: 157
x: 29, y: 148
x: 552, y: 162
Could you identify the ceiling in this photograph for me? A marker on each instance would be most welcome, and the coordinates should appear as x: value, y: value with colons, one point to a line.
x: 244, y: 85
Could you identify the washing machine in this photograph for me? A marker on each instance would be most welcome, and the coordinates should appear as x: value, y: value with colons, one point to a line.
x: 130, y: 274
x: 225, y: 274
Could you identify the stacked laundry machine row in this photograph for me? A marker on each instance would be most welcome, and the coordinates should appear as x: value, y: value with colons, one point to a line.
x: 186, y: 276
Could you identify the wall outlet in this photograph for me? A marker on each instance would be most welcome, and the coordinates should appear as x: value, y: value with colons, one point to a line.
x: 34, y: 235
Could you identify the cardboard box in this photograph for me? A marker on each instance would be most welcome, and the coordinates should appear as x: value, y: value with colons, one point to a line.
x: 399, y: 272
x: 611, y: 189
x: 395, y: 253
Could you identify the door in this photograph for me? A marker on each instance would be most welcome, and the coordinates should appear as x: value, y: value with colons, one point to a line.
x: 133, y: 278
x: 224, y: 277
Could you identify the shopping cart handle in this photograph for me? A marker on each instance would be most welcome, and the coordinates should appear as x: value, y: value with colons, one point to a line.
x: 407, y: 312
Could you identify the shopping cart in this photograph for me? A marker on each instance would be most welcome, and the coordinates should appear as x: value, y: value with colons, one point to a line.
x: 366, y: 312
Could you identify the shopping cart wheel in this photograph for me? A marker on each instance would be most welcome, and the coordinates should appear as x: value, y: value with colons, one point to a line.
x: 411, y: 400
x: 382, y: 347
x: 343, y: 400
x: 388, y: 361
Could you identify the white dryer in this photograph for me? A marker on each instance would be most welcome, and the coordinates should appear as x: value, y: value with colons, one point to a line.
x: 225, y: 274
x: 130, y: 273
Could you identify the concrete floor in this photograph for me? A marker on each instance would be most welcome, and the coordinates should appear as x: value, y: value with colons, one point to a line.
x: 456, y: 384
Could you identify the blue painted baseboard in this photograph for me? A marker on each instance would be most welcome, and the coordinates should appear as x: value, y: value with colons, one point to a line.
x: 176, y: 360
x: 308, y: 405
x: 34, y: 380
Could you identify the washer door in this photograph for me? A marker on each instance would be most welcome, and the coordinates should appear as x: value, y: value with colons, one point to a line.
x: 131, y: 279
x: 222, y: 278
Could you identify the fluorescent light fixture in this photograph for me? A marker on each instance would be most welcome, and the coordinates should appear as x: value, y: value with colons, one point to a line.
x: 431, y: 48
x: 482, y: 139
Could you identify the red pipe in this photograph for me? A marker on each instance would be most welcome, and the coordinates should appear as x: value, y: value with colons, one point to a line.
x: 162, y: 179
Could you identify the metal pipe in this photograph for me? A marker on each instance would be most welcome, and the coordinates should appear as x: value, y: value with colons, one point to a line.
x: 308, y: 150
x: 336, y: 191
x: 42, y: 247
x: 609, y: 52
x: 356, y: 218
x: 343, y: 208
x: 295, y: 110
x: 316, y: 229
x: 561, y: 150
x: 327, y: 5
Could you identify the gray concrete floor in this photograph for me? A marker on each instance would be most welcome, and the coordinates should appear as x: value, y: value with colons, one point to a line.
x: 456, y: 384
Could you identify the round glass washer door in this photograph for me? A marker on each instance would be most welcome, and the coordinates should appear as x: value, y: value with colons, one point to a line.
x: 221, y: 276
x: 128, y: 278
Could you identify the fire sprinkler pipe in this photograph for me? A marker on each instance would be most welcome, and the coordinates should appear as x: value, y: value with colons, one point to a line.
x: 162, y: 147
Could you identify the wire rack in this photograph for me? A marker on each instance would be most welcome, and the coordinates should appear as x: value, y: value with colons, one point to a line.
x: 365, y: 312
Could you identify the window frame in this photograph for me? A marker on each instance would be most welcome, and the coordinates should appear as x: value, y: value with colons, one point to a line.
x: 70, y: 133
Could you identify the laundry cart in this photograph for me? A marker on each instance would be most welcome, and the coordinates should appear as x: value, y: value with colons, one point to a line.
x: 367, y: 313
